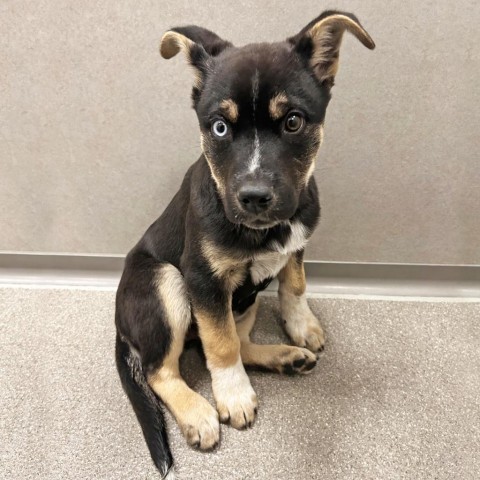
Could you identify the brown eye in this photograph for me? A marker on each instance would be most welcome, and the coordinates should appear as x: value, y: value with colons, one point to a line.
x: 294, y: 122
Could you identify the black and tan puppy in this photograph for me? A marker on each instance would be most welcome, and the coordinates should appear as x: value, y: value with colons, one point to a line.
x: 242, y: 216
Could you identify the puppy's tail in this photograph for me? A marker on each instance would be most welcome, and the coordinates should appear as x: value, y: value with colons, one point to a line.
x: 147, y: 407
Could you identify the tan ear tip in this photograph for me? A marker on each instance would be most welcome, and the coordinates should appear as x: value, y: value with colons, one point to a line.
x: 168, y: 45
x: 366, y: 39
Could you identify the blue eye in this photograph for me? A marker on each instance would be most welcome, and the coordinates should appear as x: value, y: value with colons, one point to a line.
x: 219, y: 128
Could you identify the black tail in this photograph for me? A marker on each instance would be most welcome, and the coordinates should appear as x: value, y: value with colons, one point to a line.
x: 146, y: 405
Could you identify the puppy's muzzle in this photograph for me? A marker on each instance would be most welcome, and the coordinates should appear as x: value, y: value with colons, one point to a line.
x: 255, y: 197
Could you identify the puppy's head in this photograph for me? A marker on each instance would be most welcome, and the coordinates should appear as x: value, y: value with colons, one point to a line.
x: 261, y: 110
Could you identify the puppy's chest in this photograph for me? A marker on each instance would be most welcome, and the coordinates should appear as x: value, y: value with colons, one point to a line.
x: 268, y: 264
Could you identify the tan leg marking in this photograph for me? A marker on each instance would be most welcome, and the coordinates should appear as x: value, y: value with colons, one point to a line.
x: 197, y: 419
x: 219, y: 339
x: 292, y: 277
x: 279, y: 358
x: 301, y: 324
x: 234, y: 395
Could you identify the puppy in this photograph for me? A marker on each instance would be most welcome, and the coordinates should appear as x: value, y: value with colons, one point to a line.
x: 242, y: 216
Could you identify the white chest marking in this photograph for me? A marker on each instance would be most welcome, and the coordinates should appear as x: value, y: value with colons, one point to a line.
x: 269, y: 264
x: 297, y: 240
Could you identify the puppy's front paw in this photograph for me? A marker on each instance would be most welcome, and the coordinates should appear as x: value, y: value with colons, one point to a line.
x: 199, y: 424
x: 236, y: 400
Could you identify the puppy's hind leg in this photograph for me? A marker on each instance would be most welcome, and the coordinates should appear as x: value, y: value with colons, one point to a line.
x: 279, y: 358
x: 197, y: 419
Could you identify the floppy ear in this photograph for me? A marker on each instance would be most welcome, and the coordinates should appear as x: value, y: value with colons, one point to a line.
x: 183, y: 37
x: 320, y: 42
x: 197, y: 43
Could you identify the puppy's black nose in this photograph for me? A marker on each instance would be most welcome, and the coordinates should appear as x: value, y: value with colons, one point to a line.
x: 255, y: 198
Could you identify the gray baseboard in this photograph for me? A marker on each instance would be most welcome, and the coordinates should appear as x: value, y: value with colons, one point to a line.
x: 60, y: 269
x: 410, y: 280
x: 331, y: 278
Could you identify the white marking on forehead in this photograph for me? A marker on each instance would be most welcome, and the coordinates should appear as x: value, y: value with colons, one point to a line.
x: 255, y: 158
x: 254, y: 163
x: 255, y: 80
x: 296, y: 241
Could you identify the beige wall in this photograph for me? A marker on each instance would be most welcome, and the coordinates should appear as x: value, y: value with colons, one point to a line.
x: 96, y: 130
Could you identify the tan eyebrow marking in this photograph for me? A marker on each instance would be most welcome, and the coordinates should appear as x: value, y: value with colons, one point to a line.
x: 278, y: 106
x: 230, y: 109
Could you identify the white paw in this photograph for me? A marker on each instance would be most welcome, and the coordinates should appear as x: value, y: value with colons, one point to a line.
x: 236, y: 400
x: 301, y: 324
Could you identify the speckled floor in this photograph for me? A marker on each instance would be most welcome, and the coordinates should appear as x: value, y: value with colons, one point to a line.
x: 396, y: 395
